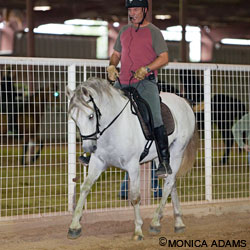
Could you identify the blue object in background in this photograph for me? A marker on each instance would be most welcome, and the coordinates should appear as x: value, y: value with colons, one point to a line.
x: 157, y: 190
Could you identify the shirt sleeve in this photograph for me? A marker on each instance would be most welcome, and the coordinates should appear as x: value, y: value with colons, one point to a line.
x: 118, y: 46
x: 159, y: 44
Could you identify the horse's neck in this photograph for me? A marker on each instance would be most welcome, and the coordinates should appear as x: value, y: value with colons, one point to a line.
x: 118, y: 106
x: 111, y: 107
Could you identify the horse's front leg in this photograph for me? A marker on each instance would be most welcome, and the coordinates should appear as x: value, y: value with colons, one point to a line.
x: 135, y: 200
x: 96, y: 167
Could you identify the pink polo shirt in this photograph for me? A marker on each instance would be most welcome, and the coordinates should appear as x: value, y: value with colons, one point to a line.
x: 138, y: 49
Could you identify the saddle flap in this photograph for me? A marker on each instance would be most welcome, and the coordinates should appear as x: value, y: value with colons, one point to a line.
x: 142, y: 110
x: 145, y: 117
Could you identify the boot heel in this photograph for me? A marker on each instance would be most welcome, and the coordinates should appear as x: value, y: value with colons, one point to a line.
x: 169, y: 170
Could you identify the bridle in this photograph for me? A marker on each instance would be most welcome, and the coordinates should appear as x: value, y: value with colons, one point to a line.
x: 97, y: 134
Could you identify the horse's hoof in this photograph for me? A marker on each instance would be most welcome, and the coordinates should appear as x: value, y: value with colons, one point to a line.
x: 138, y: 237
x: 74, y: 233
x: 179, y: 229
x: 154, y: 230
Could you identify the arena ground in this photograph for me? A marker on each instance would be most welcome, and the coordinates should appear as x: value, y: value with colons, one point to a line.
x: 216, y: 226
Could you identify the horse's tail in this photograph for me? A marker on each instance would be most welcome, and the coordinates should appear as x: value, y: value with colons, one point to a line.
x: 189, y: 155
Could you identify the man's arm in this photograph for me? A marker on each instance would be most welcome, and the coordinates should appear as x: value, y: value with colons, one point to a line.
x: 115, y: 58
x: 113, y: 62
x: 159, y: 62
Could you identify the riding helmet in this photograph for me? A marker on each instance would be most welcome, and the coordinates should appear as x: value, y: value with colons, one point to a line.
x: 136, y: 3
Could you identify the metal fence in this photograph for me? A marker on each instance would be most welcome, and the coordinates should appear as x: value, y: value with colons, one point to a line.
x: 39, y: 147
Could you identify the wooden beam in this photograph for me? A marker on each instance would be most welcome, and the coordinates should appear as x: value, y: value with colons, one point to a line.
x: 183, y: 18
x: 149, y: 14
x: 30, y: 25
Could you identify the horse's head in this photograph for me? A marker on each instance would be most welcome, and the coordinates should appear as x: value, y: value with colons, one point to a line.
x: 84, y: 106
x: 83, y: 110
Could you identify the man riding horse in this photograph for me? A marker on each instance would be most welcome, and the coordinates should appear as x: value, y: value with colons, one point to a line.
x: 141, y: 49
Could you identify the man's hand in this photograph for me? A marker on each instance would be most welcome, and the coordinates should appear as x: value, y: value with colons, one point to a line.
x: 141, y: 73
x: 112, y: 72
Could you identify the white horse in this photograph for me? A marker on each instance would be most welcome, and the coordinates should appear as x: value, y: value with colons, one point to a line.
x: 114, y: 137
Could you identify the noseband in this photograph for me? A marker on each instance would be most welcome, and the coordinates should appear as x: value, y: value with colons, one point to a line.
x: 96, y: 135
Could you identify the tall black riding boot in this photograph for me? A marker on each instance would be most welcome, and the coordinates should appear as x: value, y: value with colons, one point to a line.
x: 161, y: 141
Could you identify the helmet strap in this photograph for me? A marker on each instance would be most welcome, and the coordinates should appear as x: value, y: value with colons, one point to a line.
x: 141, y: 22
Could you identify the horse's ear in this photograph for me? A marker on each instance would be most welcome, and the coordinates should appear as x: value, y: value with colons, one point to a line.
x: 69, y: 92
x: 84, y: 91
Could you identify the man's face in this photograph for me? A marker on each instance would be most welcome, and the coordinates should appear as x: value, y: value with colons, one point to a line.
x: 135, y: 14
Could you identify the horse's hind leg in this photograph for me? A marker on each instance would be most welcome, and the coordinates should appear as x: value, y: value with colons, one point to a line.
x: 25, y: 149
x: 179, y: 225
x: 228, y: 141
x: 135, y: 201
x: 155, y: 226
x: 28, y: 152
x: 38, y: 152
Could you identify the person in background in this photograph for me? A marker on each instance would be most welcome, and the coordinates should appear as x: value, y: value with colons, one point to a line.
x: 155, y: 185
x: 241, y: 132
x: 9, y: 103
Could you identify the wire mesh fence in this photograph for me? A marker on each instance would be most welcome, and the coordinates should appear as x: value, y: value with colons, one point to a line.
x: 39, y: 146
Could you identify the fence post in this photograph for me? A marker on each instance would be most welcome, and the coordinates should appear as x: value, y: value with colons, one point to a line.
x: 71, y: 145
x: 145, y: 183
x: 85, y: 167
x: 208, y: 134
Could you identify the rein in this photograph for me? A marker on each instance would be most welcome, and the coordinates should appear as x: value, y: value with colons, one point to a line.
x: 96, y: 135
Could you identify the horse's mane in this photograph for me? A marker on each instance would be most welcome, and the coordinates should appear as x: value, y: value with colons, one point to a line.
x: 96, y: 87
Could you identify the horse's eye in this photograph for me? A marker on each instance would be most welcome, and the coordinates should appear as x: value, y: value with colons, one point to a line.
x: 91, y: 116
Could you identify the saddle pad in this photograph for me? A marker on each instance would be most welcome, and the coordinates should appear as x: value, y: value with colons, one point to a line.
x: 168, y: 119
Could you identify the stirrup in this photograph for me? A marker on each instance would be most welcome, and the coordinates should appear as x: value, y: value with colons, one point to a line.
x: 163, y: 170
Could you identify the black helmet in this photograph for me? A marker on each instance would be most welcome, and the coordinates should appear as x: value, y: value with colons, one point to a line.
x: 136, y: 3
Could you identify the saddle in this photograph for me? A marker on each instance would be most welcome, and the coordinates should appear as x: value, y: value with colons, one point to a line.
x: 141, y: 108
